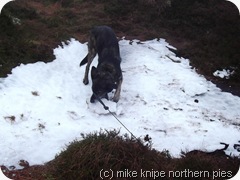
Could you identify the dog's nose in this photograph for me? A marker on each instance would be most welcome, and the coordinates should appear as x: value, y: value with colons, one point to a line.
x: 92, y: 99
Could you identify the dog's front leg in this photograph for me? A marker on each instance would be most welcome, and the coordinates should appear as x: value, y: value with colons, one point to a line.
x: 117, y: 92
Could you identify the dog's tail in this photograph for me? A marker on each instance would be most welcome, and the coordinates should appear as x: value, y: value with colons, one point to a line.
x: 84, y: 61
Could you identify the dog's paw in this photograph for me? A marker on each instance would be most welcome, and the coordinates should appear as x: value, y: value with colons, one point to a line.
x: 115, y: 99
x: 85, y: 81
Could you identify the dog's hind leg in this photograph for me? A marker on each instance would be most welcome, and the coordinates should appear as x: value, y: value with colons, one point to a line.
x: 84, y: 61
x: 116, y: 96
x: 90, y: 59
x: 91, y: 54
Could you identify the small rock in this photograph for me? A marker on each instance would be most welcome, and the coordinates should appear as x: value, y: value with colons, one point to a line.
x: 196, y: 101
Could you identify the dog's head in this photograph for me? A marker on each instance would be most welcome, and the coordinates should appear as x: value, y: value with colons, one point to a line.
x: 102, y: 82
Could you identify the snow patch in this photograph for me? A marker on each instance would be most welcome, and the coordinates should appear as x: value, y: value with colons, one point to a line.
x: 44, y: 106
x: 225, y: 73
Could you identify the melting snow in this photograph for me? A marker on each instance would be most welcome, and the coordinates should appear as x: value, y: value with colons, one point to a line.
x: 224, y: 73
x: 45, y: 105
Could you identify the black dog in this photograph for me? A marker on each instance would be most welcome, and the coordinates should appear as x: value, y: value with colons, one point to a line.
x: 108, y: 74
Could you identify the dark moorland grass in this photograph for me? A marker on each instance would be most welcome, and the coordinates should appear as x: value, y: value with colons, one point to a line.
x: 107, y: 150
x: 207, y: 31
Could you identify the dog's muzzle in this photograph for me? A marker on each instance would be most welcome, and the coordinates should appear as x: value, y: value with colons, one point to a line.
x: 98, y: 96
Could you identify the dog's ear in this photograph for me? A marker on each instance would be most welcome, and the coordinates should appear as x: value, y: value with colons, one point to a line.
x: 94, y: 72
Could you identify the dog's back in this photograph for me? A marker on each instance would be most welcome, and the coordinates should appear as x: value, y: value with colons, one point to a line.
x: 103, y: 40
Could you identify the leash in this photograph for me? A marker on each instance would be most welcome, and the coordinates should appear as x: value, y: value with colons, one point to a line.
x: 107, y: 109
x: 104, y: 106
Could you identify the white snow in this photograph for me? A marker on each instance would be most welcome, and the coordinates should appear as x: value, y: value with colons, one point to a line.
x: 225, y: 73
x: 44, y: 106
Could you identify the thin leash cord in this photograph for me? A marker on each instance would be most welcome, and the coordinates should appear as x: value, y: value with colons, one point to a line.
x: 107, y: 108
x: 122, y: 124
